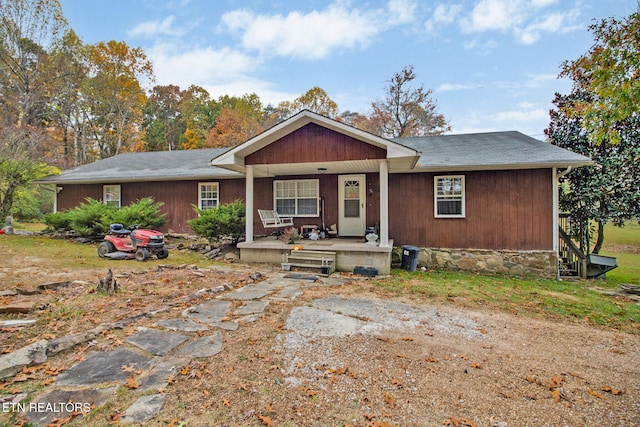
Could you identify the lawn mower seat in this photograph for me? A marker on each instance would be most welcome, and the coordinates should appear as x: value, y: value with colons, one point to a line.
x: 118, y: 229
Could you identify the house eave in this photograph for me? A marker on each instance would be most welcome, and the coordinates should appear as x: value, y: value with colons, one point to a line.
x: 126, y: 180
x: 506, y: 166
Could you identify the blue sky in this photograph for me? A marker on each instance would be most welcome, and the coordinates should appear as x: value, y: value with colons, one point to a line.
x: 492, y: 64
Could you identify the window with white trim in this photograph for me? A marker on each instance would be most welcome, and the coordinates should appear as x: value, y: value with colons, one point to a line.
x: 112, y: 195
x: 297, y: 197
x: 449, y: 196
x: 208, y: 195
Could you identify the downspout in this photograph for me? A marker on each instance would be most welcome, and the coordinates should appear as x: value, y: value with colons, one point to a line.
x: 556, y: 214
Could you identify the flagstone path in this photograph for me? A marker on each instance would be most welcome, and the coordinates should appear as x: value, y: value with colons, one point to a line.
x: 157, y: 353
x: 163, y: 350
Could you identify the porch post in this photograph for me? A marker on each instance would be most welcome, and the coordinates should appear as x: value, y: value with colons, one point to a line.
x: 248, y: 200
x: 384, y: 203
x: 555, y: 208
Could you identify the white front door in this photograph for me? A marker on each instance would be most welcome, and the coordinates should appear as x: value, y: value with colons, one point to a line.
x: 351, y: 205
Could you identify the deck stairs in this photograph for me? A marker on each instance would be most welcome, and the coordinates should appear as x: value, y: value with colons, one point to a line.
x: 573, y: 263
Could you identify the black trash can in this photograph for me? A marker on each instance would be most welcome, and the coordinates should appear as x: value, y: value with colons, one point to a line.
x: 410, y: 257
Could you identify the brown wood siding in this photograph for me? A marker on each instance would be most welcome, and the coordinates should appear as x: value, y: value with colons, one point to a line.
x: 178, y: 197
x: 313, y: 143
x: 263, y: 199
x: 504, y: 210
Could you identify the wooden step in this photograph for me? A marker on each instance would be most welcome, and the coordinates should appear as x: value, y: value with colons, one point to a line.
x: 313, y: 259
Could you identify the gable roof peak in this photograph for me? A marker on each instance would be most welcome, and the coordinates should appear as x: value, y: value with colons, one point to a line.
x: 234, y: 158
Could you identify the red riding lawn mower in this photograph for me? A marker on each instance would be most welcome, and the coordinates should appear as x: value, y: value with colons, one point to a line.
x: 132, y: 242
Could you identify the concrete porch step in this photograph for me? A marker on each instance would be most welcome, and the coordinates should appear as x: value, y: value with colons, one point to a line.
x: 313, y: 259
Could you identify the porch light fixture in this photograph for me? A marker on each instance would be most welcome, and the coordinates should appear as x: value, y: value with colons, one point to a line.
x: 322, y: 170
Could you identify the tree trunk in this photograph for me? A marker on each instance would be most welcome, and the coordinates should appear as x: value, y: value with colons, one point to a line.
x: 6, y: 202
x: 108, y: 284
x: 600, y: 238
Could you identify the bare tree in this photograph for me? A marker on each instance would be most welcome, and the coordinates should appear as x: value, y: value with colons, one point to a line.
x: 405, y: 111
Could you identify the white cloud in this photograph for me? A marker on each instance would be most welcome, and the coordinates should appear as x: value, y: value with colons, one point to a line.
x: 528, y: 118
x: 154, y: 28
x: 526, y: 19
x: 315, y: 34
x: 220, y: 71
x: 540, y: 80
x: 493, y: 15
x: 521, y: 115
x: 481, y: 48
x: 401, y: 11
x: 447, y: 87
x: 442, y: 15
x: 183, y: 67
x: 552, y: 23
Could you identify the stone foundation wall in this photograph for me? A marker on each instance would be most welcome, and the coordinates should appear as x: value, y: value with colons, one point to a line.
x: 518, y: 263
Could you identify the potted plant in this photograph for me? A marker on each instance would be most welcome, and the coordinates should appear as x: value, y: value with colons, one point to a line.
x: 290, y: 235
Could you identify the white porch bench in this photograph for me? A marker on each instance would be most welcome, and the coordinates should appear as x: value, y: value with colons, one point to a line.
x: 271, y: 219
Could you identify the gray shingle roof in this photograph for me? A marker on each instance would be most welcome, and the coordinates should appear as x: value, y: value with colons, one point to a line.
x: 148, y: 166
x: 477, y: 151
x: 491, y: 150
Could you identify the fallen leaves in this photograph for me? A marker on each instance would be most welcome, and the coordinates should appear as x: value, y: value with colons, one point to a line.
x: 47, y: 381
x: 266, y: 420
x: 389, y: 400
x: 131, y: 383
x: 613, y: 391
x: 595, y: 394
x: 459, y: 422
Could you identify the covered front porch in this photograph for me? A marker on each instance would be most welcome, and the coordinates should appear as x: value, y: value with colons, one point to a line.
x: 319, y: 172
x: 349, y: 252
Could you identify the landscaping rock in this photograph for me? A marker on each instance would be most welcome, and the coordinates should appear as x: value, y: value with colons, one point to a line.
x: 251, y: 307
x: 158, y: 377
x: 53, y: 286
x: 203, y: 347
x: 144, y: 409
x: 17, y: 322
x: 103, y: 366
x: 156, y: 342
x: 210, y: 312
x: 231, y: 257
x: 62, y: 403
x: 12, y: 363
x: 64, y: 343
x: 17, y: 307
x: 184, y: 325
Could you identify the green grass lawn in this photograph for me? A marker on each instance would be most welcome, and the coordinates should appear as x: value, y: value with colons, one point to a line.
x: 577, y: 301
x: 68, y: 254
x: 623, y: 243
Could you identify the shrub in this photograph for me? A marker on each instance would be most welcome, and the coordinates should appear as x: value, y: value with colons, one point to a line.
x: 93, y: 218
x: 144, y: 212
x: 58, y: 221
x: 88, y: 218
x: 226, y: 220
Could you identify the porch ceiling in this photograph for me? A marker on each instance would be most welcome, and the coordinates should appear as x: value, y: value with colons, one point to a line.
x: 344, y: 167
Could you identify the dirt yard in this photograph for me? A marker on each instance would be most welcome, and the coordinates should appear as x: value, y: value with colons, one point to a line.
x: 457, y: 368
